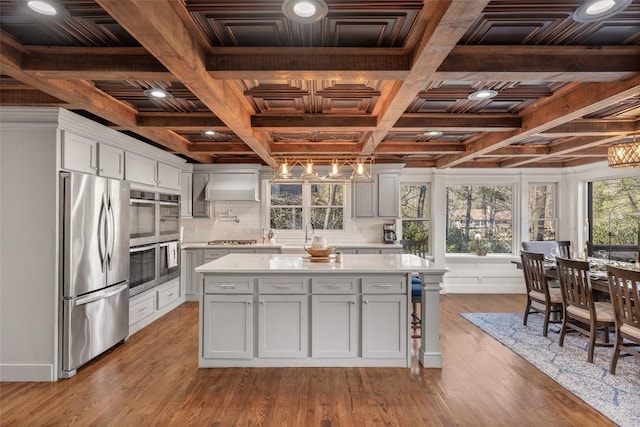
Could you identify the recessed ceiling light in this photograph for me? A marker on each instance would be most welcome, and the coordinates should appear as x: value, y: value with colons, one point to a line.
x: 483, y: 94
x: 596, y: 10
x: 433, y: 133
x: 48, y: 9
x: 209, y: 133
x: 304, y: 11
x: 157, y: 93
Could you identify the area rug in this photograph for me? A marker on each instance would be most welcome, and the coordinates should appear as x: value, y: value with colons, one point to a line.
x: 615, y: 396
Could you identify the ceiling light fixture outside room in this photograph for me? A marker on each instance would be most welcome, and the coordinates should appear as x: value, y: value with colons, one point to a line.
x: 157, y: 93
x: 624, y: 154
x: 596, y: 10
x: 48, y: 9
x: 361, y: 169
x: 483, y: 94
x: 304, y: 11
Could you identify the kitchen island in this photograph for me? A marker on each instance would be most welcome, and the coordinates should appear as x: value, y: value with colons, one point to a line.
x: 259, y: 310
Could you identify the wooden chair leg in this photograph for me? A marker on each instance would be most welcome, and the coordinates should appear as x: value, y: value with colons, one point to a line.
x: 547, y: 314
x: 615, y: 355
x: 563, y: 331
x: 526, y: 311
x: 593, y: 332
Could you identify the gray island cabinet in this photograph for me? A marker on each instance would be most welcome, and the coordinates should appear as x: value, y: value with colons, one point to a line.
x: 275, y: 310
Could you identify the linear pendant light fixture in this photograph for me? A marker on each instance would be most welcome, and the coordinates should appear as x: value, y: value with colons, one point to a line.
x: 339, y: 169
x: 624, y: 154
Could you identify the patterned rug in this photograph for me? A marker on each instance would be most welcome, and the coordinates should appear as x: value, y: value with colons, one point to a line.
x: 615, y: 396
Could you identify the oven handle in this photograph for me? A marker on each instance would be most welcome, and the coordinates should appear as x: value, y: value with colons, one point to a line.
x: 141, y: 248
x: 142, y: 201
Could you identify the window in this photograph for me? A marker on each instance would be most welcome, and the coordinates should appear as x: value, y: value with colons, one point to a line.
x: 414, y: 211
x: 479, y: 219
x: 542, y: 212
x: 614, y: 217
x: 327, y: 206
x: 286, y: 207
x: 293, y: 205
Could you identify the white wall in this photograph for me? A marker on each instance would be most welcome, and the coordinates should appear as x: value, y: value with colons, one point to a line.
x: 28, y: 290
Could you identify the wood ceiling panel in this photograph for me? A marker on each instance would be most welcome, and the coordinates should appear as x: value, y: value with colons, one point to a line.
x: 132, y: 92
x: 351, y: 23
x: 550, y: 23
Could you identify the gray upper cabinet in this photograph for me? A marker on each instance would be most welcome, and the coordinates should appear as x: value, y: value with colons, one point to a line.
x: 186, y: 195
x: 200, y: 205
x: 83, y: 154
x: 380, y: 198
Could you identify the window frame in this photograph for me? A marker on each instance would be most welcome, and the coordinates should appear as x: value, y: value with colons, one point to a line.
x: 556, y: 210
x: 516, y: 221
x: 427, y: 218
x: 306, y: 209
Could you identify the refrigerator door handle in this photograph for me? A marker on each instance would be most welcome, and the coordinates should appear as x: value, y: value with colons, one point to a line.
x: 102, y: 244
x: 111, y: 230
x: 92, y: 298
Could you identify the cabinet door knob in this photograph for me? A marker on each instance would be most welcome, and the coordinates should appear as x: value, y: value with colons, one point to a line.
x: 248, y: 302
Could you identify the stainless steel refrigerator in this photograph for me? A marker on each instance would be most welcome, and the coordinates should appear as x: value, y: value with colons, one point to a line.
x: 94, y: 267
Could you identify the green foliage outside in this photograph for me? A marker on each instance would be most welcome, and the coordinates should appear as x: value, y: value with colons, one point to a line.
x: 616, y: 209
x: 414, y: 210
x: 479, y: 215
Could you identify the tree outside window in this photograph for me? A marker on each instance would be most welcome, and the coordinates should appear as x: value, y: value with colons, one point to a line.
x: 327, y: 206
x: 414, y: 210
x: 542, y: 212
x: 296, y: 204
x: 286, y: 207
x: 479, y: 217
x: 614, y: 217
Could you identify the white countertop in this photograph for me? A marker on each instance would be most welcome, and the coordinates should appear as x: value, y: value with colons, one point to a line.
x: 205, y: 245
x: 359, y: 264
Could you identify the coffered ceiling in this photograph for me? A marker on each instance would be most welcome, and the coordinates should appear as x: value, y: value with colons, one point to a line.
x: 371, y: 77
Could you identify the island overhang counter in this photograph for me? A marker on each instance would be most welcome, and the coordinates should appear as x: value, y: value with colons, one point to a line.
x: 266, y: 310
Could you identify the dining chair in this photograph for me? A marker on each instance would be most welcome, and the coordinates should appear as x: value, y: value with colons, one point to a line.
x: 419, y: 248
x: 624, y: 286
x: 544, y: 247
x: 564, y: 246
x: 580, y: 312
x: 549, y: 300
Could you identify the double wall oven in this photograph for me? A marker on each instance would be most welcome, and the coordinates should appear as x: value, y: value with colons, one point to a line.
x: 154, y: 254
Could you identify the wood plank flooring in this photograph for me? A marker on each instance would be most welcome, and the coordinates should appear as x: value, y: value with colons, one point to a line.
x: 154, y: 379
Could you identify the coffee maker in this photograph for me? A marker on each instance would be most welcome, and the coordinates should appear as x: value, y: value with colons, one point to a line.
x: 389, y: 233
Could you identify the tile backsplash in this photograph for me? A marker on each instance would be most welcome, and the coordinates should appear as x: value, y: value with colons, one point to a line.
x: 241, y: 220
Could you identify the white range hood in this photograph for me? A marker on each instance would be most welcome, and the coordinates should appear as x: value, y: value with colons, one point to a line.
x: 231, y: 186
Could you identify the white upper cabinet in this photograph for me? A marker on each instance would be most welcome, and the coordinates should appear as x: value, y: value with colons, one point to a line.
x: 111, y: 161
x: 380, y: 198
x: 186, y: 195
x: 83, y: 154
x: 169, y: 176
x: 145, y: 170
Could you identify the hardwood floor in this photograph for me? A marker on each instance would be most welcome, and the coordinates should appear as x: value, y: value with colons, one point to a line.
x: 154, y: 379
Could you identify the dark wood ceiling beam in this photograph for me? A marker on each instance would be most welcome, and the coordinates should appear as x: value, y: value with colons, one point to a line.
x: 316, y: 122
x: 30, y: 97
x: 181, y: 121
x: 308, y: 64
x: 590, y: 127
x: 589, y: 147
x: 95, y: 64
x: 540, y: 63
x: 458, y: 122
x: 315, y: 148
x: 419, y: 148
x: 447, y: 23
x: 84, y: 93
x: 573, y: 103
x: 216, y: 148
x: 163, y: 28
x: 519, y: 151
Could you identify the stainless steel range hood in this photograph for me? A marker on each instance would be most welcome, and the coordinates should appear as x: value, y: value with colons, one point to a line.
x: 232, y: 186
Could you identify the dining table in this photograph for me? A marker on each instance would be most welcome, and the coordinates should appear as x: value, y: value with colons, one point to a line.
x: 598, y: 278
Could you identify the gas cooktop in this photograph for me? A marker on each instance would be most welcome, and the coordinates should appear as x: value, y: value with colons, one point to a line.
x: 232, y: 242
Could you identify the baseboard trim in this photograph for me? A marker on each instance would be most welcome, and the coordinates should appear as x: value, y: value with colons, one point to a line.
x: 27, y: 373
